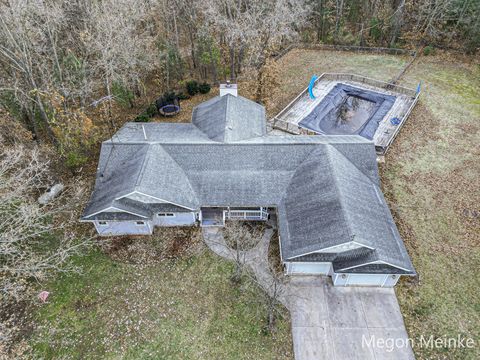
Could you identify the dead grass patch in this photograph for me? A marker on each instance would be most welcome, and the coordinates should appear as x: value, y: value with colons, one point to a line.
x: 166, y: 243
x: 274, y: 257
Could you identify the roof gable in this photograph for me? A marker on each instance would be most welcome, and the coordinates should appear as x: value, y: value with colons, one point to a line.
x: 230, y: 118
x: 117, y: 173
x: 162, y: 178
x: 313, y: 210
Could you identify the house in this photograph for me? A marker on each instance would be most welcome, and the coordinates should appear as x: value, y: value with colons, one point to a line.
x: 325, y: 190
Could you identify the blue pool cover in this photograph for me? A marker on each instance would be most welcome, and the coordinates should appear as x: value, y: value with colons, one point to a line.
x: 348, y: 110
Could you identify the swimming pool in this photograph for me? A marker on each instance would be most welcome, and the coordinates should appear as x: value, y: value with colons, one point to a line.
x: 348, y: 110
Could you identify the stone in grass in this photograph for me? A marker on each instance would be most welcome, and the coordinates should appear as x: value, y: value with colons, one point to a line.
x: 51, y: 194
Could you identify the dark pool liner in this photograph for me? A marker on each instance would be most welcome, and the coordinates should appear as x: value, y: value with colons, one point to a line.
x: 335, y: 98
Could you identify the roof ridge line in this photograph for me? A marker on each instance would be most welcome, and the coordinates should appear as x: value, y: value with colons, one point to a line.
x: 284, y: 195
x: 314, y: 148
x: 339, y: 193
x: 140, y: 174
x: 329, y: 162
x: 184, y: 173
x: 227, y: 123
x: 351, y: 162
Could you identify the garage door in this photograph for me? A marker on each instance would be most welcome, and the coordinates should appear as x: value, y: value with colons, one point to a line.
x: 366, y: 279
x: 310, y: 268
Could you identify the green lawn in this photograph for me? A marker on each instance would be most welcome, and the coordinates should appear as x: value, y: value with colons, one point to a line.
x: 431, y: 174
x: 172, y: 309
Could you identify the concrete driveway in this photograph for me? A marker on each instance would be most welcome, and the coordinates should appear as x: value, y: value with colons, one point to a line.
x: 330, y: 322
x: 339, y: 323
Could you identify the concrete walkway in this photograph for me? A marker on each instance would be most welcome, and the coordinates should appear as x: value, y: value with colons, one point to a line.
x: 329, y: 322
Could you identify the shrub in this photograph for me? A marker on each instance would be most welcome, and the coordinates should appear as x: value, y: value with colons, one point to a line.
x: 143, y: 117
x: 204, y: 88
x: 182, y: 96
x: 74, y: 160
x: 428, y: 50
x: 148, y: 113
x: 169, y: 97
x: 192, y: 87
x: 122, y: 95
x: 376, y: 31
x: 151, y: 110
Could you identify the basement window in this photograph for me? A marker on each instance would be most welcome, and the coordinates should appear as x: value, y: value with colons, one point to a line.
x: 140, y: 223
x: 166, y: 214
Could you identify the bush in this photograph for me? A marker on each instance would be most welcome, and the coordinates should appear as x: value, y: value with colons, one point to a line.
x: 151, y: 110
x: 122, y: 95
x: 74, y: 160
x: 376, y: 31
x: 192, y: 87
x: 148, y: 113
x: 169, y: 97
x: 428, y: 50
x: 182, y: 96
x: 143, y: 117
x: 204, y: 88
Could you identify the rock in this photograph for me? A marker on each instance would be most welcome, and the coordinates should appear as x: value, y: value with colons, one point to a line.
x: 51, y: 194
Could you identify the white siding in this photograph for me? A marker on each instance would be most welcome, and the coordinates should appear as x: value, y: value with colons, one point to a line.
x: 178, y: 219
x: 124, y: 228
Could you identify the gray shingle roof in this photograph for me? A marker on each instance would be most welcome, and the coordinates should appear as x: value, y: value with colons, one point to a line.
x: 160, y: 133
x: 325, y: 188
x: 230, y: 118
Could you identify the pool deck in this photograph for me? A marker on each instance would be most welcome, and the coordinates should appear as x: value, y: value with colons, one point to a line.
x: 289, y: 118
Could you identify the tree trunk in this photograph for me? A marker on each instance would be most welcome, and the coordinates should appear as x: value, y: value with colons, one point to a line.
x: 192, y: 50
x: 232, y: 64
x: 362, y: 36
x: 338, y: 17
x: 214, y: 68
x: 319, y: 21
x: 44, y: 116
x: 29, y: 119
x: 271, y: 318
x: 397, y: 22
x: 259, y: 91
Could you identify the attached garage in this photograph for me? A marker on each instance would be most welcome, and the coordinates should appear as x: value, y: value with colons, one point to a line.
x: 305, y: 268
x: 382, y: 280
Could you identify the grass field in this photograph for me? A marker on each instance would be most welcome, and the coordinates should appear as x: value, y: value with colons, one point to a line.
x: 431, y: 175
x: 187, y: 308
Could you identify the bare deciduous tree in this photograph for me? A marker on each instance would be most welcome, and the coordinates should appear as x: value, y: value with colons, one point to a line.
x: 253, y: 29
x: 119, y: 44
x: 33, y: 241
x: 240, y: 237
x: 29, y: 56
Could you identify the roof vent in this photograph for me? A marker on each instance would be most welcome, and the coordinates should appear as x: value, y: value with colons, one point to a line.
x: 228, y: 88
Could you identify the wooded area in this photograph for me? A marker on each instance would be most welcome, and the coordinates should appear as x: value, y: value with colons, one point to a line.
x: 62, y: 61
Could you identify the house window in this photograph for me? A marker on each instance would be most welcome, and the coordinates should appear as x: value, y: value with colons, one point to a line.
x: 140, y: 223
x: 166, y: 214
x: 102, y: 223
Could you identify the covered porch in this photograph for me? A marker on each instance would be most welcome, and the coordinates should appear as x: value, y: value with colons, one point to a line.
x: 216, y: 216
